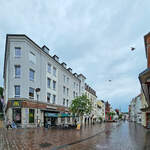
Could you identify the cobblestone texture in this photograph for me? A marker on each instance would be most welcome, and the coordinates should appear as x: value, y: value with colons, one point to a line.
x: 106, y: 136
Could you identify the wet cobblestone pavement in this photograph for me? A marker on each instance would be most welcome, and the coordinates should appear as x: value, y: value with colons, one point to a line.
x: 106, y: 136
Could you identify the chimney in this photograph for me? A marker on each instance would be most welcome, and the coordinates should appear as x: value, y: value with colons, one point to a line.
x: 70, y: 70
x: 64, y: 65
x: 45, y: 49
x: 56, y: 58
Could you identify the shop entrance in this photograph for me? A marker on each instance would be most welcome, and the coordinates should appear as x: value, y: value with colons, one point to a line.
x: 50, y: 119
x: 16, y: 115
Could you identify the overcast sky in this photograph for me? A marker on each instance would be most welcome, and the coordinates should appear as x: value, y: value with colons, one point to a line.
x: 93, y: 37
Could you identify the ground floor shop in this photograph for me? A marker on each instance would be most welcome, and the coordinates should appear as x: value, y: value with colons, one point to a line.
x: 26, y: 113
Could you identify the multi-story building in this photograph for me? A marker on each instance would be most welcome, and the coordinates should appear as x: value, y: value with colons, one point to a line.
x: 100, y: 112
x: 91, y: 94
x: 144, y: 78
x: 107, y: 110
x: 144, y: 113
x: 37, y: 87
x: 135, y: 109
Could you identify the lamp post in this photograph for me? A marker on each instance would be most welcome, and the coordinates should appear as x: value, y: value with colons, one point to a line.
x: 37, y: 90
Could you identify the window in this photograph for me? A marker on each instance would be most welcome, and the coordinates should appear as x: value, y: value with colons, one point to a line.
x: 64, y: 89
x: 76, y: 94
x: 77, y: 86
x: 49, y: 68
x: 67, y: 102
x: 31, y: 115
x: 32, y: 57
x: 74, y: 84
x: 54, y: 85
x: 67, y: 91
x: 17, y: 52
x: 64, y: 101
x: 54, y: 71
x: 48, y: 97
x: 31, y: 74
x: 64, y: 78
x: 73, y: 94
x: 67, y: 80
x: 17, y: 71
x: 54, y: 99
x: 17, y: 90
x: 31, y: 92
x: 48, y: 82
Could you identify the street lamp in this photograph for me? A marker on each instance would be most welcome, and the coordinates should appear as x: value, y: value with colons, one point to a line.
x: 37, y: 90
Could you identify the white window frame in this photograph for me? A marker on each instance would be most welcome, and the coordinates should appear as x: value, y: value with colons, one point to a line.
x: 54, y: 71
x: 32, y: 57
x: 31, y: 70
x: 17, y: 76
x: 15, y: 90
x: 17, y: 48
x: 49, y: 83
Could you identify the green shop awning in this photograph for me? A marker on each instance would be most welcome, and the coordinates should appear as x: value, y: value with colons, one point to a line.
x: 47, y: 114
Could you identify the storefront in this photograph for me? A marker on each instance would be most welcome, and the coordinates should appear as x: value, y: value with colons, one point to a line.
x: 52, y: 117
x: 16, y: 111
x: 27, y: 113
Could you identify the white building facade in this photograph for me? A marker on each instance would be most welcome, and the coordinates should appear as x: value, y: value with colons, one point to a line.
x: 28, y: 67
x: 135, y: 110
x: 91, y: 95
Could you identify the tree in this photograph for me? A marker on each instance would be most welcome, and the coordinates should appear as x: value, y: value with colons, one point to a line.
x: 1, y: 91
x: 81, y: 105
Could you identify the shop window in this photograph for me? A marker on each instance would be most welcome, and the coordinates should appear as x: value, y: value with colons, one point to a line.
x: 68, y: 119
x: 17, y: 115
x: 63, y: 120
x: 31, y: 115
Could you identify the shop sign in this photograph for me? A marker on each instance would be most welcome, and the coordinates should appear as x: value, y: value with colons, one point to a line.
x: 16, y: 103
x: 51, y: 115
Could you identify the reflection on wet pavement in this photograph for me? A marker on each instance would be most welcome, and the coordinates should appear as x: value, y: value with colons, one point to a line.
x: 106, y: 136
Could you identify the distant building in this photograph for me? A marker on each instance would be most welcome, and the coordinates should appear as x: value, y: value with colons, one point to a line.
x: 135, y: 106
x: 100, y: 111
x: 91, y: 95
x: 107, y: 110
